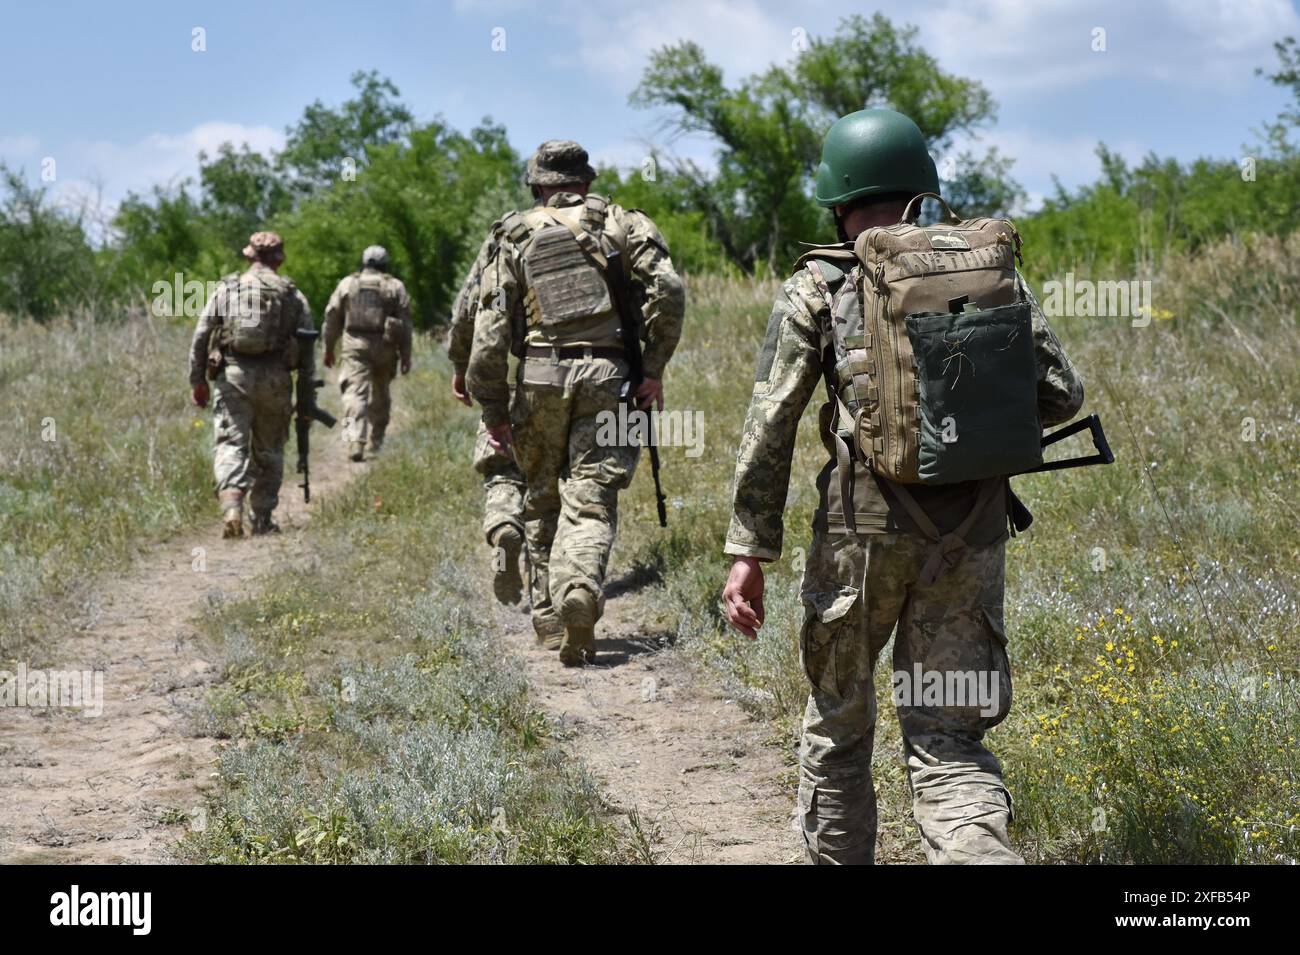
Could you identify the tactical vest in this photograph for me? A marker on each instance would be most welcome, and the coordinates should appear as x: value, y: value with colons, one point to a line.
x: 567, y: 294
x: 370, y: 300
x: 254, y: 322
x: 934, y: 374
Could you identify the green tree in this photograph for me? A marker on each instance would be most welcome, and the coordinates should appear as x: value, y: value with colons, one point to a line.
x: 769, y: 129
x: 46, y: 261
x: 320, y: 142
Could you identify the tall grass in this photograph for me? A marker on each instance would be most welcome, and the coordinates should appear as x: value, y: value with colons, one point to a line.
x: 98, y: 454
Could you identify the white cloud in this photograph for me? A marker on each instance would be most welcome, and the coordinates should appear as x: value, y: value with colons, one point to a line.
x: 16, y: 148
x: 157, y: 159
x: 1016, y: 46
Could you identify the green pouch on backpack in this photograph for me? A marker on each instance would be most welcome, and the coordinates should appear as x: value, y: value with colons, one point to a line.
x: 976, y: 377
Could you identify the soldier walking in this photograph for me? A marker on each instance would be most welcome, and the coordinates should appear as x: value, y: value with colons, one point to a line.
x: 925, y: 560
x: 245, y: 344
x: 371, y: 311
x: 546, y: 292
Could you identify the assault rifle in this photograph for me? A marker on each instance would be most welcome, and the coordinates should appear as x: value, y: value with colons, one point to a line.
x: 629, y: 318
x: 313, y: 412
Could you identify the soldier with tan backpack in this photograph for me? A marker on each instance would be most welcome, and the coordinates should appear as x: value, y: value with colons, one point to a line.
x: 247, y: 344
x: 939, y: 371
x: 371, y: 311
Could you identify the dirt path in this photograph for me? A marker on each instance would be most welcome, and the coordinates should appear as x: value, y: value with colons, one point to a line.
x: 672, y: 752
x: 119, y: 787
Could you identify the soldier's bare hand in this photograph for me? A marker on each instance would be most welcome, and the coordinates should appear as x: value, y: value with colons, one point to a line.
x: 650, y: 392
x: 199, y: 394
x: 458, y: 389
x: 743, y: 596
x: 329, y: 359
x: 406, y: 366
x: 501, y: 437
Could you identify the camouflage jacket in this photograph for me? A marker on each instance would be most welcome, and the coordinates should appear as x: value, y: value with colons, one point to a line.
x: 301, y: 359
x: 336, y: 314
x: 503, y: 287
x: 795, y: 359
x: 460, y: 334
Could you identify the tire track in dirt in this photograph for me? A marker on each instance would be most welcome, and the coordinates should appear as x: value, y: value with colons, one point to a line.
x: 107, y: 788
x: 672, y: 753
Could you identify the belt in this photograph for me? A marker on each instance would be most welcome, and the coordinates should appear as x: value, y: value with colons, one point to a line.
x: 575, y: 351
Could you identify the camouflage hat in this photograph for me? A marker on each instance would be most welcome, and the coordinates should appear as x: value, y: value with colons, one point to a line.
x: 375, y: 257
x: 558, y: 161
x: 262, y: 244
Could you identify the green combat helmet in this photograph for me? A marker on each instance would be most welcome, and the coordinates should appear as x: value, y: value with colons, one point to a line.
x: 874, y: 152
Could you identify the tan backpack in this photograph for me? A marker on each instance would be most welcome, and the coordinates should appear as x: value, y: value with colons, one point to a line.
x: 938, y: 349
x: 368, y: 304
x: 253, y: 318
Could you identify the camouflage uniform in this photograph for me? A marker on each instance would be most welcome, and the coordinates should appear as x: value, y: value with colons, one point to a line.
x: 858, y: 588
x: 503, y: 482
x: 371, y: 349
x: 571, y: 374
x: 252, y: 395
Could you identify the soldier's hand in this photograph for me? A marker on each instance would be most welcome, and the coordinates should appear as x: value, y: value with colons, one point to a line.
x: 501, y: 437
x: 458, y: 389
x: 743, y: 596
x: 650, y: 392
x: 406, y: 366
x: 199, y: 394
x: 329, y: 359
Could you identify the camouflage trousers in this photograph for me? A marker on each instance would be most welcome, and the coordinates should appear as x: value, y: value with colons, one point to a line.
x: 251, y: 409
x: 571, y: 507
x: 366, y: 370
x: 503, y: 487
x: 950, y: 635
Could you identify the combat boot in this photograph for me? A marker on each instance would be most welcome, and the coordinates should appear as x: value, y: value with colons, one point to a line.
x: 376, y: 443
x: 357, y: 451
x: 507, y: 583
x: 232, y: 514
x: 550, y: 633
x: 262, y: 524
x: 579, y: 615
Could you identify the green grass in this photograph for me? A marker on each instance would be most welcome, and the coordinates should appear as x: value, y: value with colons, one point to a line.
x: 374, y: 714
x: 98, y: 455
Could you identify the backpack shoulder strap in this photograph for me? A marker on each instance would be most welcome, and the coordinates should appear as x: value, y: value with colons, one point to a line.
x: 515, y: 227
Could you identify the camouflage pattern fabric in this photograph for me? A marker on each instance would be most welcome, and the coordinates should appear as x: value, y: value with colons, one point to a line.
x: 569, y: 524
x: 859, y: 588
x: 503, y: 482
x: 252, y: 407
x: 953, y: 626
x: 368, y: 362
x: 503, y: 287
x: 253, y: 399
x: 503, y: 486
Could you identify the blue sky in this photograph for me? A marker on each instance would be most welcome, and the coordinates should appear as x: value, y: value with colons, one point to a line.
x: 116, y: 95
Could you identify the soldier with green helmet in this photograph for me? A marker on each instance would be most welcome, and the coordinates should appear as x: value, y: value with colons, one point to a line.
x: 371, y: 311
x: 546, y: 294
x: 503, y: 482
x: 246, y: 347
x: 923, y: 562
